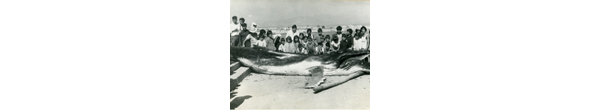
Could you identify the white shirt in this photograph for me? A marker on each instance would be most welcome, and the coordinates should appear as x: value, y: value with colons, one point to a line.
x: 292, y: 34
x: 233, y: 26
x: 336, y: 45
x: 282, y: 48
x: 360, y: 44
x: 253, y: 41
x: 303, y: 51
x: 261, y: 43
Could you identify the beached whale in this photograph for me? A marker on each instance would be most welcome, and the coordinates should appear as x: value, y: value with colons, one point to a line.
x: 262, y: 60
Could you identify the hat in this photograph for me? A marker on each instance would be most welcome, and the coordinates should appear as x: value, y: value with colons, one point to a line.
x: 254, y: 24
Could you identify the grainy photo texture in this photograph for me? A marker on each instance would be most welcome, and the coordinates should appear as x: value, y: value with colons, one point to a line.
x: 299, y: 54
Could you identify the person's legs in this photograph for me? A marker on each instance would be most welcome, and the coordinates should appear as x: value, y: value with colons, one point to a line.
x: 240, y: 41
x: 233, y: 40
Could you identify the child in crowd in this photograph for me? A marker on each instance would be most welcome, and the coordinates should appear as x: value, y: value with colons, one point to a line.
x: 346, y: 41
x: 304, y: 40
x: 309, y: 33
x: 310, y: 46
x: 278, y: 41
x: 335, y: 44
x: 360, y: 41
x: 289, y: 45
x: 261, y: 41
x: 319, y: 49
x: 269, y: 40
x: 294, y: 47
x: 320, y: 36
x: 255, y: 40
x: 326, y: 46
x: 302, y: 49
x: 282, y: 45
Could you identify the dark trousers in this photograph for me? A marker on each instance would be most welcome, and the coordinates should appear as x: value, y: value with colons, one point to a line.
x: 233, y: 40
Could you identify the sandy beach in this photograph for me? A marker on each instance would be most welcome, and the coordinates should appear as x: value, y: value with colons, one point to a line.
x: 287, y: 92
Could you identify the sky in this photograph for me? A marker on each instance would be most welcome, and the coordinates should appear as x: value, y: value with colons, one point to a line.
x: 268, y: 13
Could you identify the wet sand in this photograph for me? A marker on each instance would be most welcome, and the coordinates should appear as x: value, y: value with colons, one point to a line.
x: 287, y: 92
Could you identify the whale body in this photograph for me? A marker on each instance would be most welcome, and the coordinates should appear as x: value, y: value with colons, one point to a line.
x: 262, y: 60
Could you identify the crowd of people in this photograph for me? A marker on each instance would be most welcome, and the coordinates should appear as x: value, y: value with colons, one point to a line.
x: 299, y: 42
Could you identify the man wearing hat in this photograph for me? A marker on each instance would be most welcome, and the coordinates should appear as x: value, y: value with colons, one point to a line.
x: 254, y: 28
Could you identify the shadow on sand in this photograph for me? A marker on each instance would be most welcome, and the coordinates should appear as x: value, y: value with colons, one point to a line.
x: 238, y: 101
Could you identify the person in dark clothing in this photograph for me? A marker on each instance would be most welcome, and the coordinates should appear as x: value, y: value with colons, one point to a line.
x: 310, y: 45
x: 346, y: 41
x: 326, y: 44
x: 356, y: 32
x: 270, y: 41
x: 349, y: 32
x: 277, y: 43
x: 242, y: 35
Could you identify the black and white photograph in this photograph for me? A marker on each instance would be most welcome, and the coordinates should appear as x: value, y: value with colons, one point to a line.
x: 299, y: 54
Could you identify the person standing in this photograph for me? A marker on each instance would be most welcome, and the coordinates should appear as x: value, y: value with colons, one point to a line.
x: 242, y: 21
x: 234, y: 30
x: 292, y: 32
x: 242, y: 36
x: 234, y: 26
